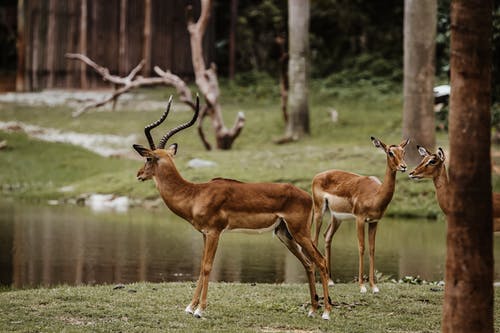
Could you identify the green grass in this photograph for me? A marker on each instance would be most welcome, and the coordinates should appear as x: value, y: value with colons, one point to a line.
x: 37, y: 170
x: 233, y: 307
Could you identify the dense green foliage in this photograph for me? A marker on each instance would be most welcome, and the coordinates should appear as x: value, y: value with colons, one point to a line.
x: 351, y: 39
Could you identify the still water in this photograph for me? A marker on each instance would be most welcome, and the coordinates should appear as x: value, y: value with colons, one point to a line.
x: 46, y: 246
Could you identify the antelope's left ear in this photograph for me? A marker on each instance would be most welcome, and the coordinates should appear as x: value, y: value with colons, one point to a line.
x: 172, y: 149
x: 440, y: 154
x: 143, y: 151
x: 379, y: 144
x: 404, y: 143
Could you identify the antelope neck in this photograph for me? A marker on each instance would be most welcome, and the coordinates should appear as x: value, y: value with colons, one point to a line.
x: 441, y: 185
x: 386, y: 190
x: 175, y: 191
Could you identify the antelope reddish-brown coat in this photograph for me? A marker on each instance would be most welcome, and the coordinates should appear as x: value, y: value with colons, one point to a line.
x: 224, y: 205
x: 363, y: 198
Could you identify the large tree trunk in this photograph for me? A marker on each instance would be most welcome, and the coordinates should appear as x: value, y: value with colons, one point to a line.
x: 420, y: 19
x: 298, y: 68
x: 468, y: 300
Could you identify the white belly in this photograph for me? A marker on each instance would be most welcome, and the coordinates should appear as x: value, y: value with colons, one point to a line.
x: 343, y: 216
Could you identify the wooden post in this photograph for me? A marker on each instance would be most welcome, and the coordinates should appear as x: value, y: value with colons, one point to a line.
x: 83, y: 43
x: 21, y: 54
x: 146, y: 48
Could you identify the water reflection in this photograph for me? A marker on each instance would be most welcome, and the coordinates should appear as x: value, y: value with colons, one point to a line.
x: 71, y: 245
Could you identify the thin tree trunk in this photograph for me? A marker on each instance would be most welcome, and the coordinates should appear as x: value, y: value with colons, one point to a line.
x: 420, y: 24
x: 468, y: 299
x: 83, y: 43
x: 298, y: 68
x: 232, y: 38
x: 21, y: 54
x: 146, y: 48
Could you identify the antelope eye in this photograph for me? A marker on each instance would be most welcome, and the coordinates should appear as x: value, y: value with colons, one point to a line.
x: 149, y: 159
x: 432, y: 162
x: 391, y: 154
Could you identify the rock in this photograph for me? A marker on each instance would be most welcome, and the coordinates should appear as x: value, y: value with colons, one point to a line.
x: 199, y: 163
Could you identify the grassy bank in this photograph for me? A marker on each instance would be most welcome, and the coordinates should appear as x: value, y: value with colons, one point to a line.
x: 38, y: 170
x: 233, y: 307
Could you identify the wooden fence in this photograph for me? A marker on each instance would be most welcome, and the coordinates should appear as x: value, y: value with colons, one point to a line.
x: 116, y: 34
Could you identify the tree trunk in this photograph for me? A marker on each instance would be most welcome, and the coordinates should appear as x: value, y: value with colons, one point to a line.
x: 468, y: 299
x: 298, y: 68
x: 420, y: 21
x: 21, y: 60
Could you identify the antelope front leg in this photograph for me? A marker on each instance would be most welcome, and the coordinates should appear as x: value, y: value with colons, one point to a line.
x: 372, y: 230
x: 196, y: 296
x: 360, y: 225
x: 210, y: 242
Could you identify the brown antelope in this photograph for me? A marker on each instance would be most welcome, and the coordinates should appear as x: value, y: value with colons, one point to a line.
x: 228, y: 205
x: 363, y: 198
x: 433, y: 166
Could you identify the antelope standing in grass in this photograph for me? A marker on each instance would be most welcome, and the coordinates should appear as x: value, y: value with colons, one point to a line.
x: 433, y: 166
x: 362, y: 198
x: 228, y: 205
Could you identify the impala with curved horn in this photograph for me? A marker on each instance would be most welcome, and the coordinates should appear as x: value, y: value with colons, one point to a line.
x: 362, y: 198
x: 228, y: 205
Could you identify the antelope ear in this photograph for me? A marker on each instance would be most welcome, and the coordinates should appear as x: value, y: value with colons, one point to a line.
x: 422, y: 151
x: 404, y: 143
x: 440, y: 154
x: 379, y: 144
x: 143, y: 151
x: 172, y: 149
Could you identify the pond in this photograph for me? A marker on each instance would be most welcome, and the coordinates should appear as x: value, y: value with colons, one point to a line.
x: 47, y: 246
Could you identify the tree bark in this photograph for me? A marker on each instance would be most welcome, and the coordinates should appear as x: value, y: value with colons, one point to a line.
x: 420, y: 24
x: 468, y: 299
x: 298, y: 68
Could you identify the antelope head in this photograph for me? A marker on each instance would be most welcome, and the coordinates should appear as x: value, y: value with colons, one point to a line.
x: 395, y: 154
x: 156, y: 155
x: 430, y: 166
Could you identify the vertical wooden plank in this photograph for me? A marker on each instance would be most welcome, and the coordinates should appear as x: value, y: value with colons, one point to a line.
x: 51, y: 43
x: 146, y: 51
x: 20, y: 82
x: 71, y: 44
x: 123, y: 65
x: 83, y: 43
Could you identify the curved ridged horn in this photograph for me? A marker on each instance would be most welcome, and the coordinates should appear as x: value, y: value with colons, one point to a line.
x: 179, y: 128
x: 157, y: 123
